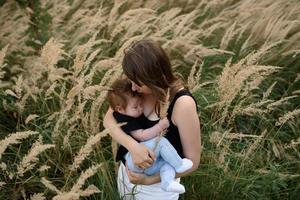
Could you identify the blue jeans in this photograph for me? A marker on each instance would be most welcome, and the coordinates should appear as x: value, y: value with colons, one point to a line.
x: 167, y: 160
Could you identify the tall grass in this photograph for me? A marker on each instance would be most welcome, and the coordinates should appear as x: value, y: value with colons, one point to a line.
x: 240, y: 58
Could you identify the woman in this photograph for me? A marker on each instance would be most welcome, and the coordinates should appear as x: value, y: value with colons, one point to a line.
x: 148, y: 67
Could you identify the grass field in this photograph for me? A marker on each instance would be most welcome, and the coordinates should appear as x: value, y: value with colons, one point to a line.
x: 240, y: 59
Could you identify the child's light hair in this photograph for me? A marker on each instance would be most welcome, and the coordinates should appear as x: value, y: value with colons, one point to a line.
x: 119, y: 93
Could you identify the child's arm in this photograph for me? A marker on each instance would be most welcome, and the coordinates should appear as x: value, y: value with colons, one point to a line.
x: 149, y: 133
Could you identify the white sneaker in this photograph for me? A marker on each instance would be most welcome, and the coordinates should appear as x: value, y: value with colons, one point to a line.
x: 175, y: 187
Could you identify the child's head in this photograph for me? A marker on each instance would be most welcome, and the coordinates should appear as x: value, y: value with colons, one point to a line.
x: 123, y: 100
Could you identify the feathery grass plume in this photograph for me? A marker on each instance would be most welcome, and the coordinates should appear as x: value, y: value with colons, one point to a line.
x: 84, y: 176
x: 253, y: 58
x: 70, y: 131
x: 114, y: 13
x: 134, y: 20
x: 76, y: 191
x: 275, y: 149
x: 296, y: 92
x: 94, y: 114
x: 239, y: 80
x: 114, y: 149
x: 287, y: 116
x: 76, y: 90
x: 3, y: 166
x: 281, y: 175
x: 11, y: 93
x: 2, y: 65
x: 255, y: 144
x: 51, y: 53
x: 275, y: 104
x: 199, y: 51
x: 292, y: 144
x: 192, y: 79
x: 14, y: 24
x: 91, y: 189
x: 30, y: 160
x: 2, y: 184
x: 30, y: 118
x: 87, y: 149
x: 14, y: 138
x: 215, y: 137
x: 49, y: 185
x: 228, y: 36
x: 38, y: 196
x: 44, y: 168
x: 268, y: 91
x: 184, y: 25
x: 90, y: 92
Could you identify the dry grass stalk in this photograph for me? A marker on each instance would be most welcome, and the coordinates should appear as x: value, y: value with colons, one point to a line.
x: 255, y: 144
x: 75, y: 91
x: 268, y: 91
x: 50, y: 186
x: 281, y: 175
x: 194, y: 79
x: 84, y: 176
x: 14, y: 138
x: 293, y: 144
x: 44, y: 168
x: 239, y: 80
x: 91, y: 189
x: 13, y: 25
x: 51, y: 53
x: 30, y: 118
x: 3, y: 166
x: 38, y: 196
x: 91, y: 91
x: 87, y: 149
x: 70, y: 131
x: 287, y: 116
x: 2, y: 184
x: 2, y: 65
x: 280, y: 102
x: 94, y: 114
x: 228, y: 36
x: 30, y: 160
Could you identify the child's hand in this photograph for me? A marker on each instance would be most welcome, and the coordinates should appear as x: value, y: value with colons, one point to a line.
x: 164, y: 123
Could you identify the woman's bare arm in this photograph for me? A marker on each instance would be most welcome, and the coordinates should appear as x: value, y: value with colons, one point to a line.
x: 141, y: 155
x: 189, y: 129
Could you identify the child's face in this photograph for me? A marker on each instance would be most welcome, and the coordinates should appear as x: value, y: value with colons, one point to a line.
x: 134, y: 107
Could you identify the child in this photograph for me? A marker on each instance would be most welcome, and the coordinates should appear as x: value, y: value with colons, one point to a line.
x: 128, y: 108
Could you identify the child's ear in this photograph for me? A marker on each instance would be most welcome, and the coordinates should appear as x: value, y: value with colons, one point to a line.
x: 120, y: 109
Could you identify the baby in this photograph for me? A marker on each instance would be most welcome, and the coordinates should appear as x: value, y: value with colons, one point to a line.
x: 128, y: 108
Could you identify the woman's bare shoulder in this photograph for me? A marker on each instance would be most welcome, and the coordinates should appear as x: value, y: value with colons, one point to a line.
x: 184, y: 106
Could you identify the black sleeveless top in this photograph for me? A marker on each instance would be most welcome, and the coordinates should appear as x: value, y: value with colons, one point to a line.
x: 172, y: 133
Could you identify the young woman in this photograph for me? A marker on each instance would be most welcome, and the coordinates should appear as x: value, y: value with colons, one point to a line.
x: 148, y: 67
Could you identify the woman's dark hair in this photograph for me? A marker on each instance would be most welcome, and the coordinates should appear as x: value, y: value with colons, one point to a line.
x: 145, y: 62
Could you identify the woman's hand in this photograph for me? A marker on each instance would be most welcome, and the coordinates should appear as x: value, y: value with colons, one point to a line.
x: 142, y: 156
x: 142, y: 179
x: 136, y: 178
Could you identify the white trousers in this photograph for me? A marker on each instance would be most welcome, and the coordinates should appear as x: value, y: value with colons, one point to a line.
x: 129, y: 191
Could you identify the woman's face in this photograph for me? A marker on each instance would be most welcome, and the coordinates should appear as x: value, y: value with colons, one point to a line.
x: 142, y: 88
